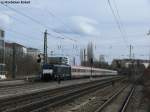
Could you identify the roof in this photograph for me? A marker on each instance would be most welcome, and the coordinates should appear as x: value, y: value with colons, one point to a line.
x: 129, y: 60
x: 35, y: 49
x: 89, y: 68
x: 10, y: 45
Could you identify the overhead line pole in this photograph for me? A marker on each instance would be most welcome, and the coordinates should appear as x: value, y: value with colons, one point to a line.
x: 130, y: 52
x: 148, y: 34
x: 45, y: 46
x: 14, y: 67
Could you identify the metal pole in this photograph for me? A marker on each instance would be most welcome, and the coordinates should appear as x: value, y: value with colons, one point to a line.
x: 148, y: 34
x: 84, y: 56
x: 14, y: 62
x: 74, y: 61
x: 91, y: 68
x: 45, y: 47
x: 130, y: 52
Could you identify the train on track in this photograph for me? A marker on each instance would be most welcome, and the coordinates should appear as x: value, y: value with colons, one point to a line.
x: 66, y: 72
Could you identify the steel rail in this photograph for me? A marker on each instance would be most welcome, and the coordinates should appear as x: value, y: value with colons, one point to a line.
x: 60, y: 98
x: 109, y: 100
x: 123, y: 106
x: 127, y: 100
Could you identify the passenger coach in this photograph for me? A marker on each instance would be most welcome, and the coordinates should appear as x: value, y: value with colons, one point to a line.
x: 81, y: 72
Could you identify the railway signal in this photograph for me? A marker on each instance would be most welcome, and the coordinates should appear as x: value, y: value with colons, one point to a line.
x: 39, y: 59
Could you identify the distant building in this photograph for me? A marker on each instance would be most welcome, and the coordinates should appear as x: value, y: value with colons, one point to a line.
x: 127, y: 62
x: 2, y: 54
x: 58, y: 60
x: 33, y: 52
x: 90, y: 52
x: 2, y: 47
x: 8, y: 49
x: 19, y: 49
x: 102, y: 59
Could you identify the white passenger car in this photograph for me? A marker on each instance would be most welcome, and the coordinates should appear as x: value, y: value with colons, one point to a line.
x: 78, y: 72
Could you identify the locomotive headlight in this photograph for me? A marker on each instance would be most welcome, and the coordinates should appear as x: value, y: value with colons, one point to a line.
x: 47, y: 71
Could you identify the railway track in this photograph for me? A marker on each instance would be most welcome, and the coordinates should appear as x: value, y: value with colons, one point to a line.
x: 127, y: 100
x: 111, y: 102
x: 13, y: 89
x: 42, y: 100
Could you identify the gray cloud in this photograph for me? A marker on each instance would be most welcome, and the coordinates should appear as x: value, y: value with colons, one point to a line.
x: 79, y: 25
x: 5, y: 20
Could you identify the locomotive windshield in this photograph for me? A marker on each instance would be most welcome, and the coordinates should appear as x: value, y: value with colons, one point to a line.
x: 47, y: 66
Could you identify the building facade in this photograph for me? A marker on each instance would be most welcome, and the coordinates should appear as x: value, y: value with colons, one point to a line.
x: 33, y: 52
x: 2, y: 54
x: 58, y: 60
x: 127, y: 62
x: 19, y: 49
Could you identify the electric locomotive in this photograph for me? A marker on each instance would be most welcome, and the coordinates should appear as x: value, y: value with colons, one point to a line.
x: 55, y: 72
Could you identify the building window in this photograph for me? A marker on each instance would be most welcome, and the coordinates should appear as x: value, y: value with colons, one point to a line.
x: 2, y: 34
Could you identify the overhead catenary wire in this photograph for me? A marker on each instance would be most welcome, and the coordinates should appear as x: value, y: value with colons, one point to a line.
x: 118, y: 23
x: 119, y: 17
x: 13, y: 17
x: 20, y: 21
x: 21, y: 34
x: 50, y: 12
x: 14, y: 31
x: 61, y: 21
x: 38, y: 22
x: 24, y: 34
x: 25, y: 15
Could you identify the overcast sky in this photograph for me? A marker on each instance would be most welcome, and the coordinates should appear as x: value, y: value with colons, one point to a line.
x: 81, y: 20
